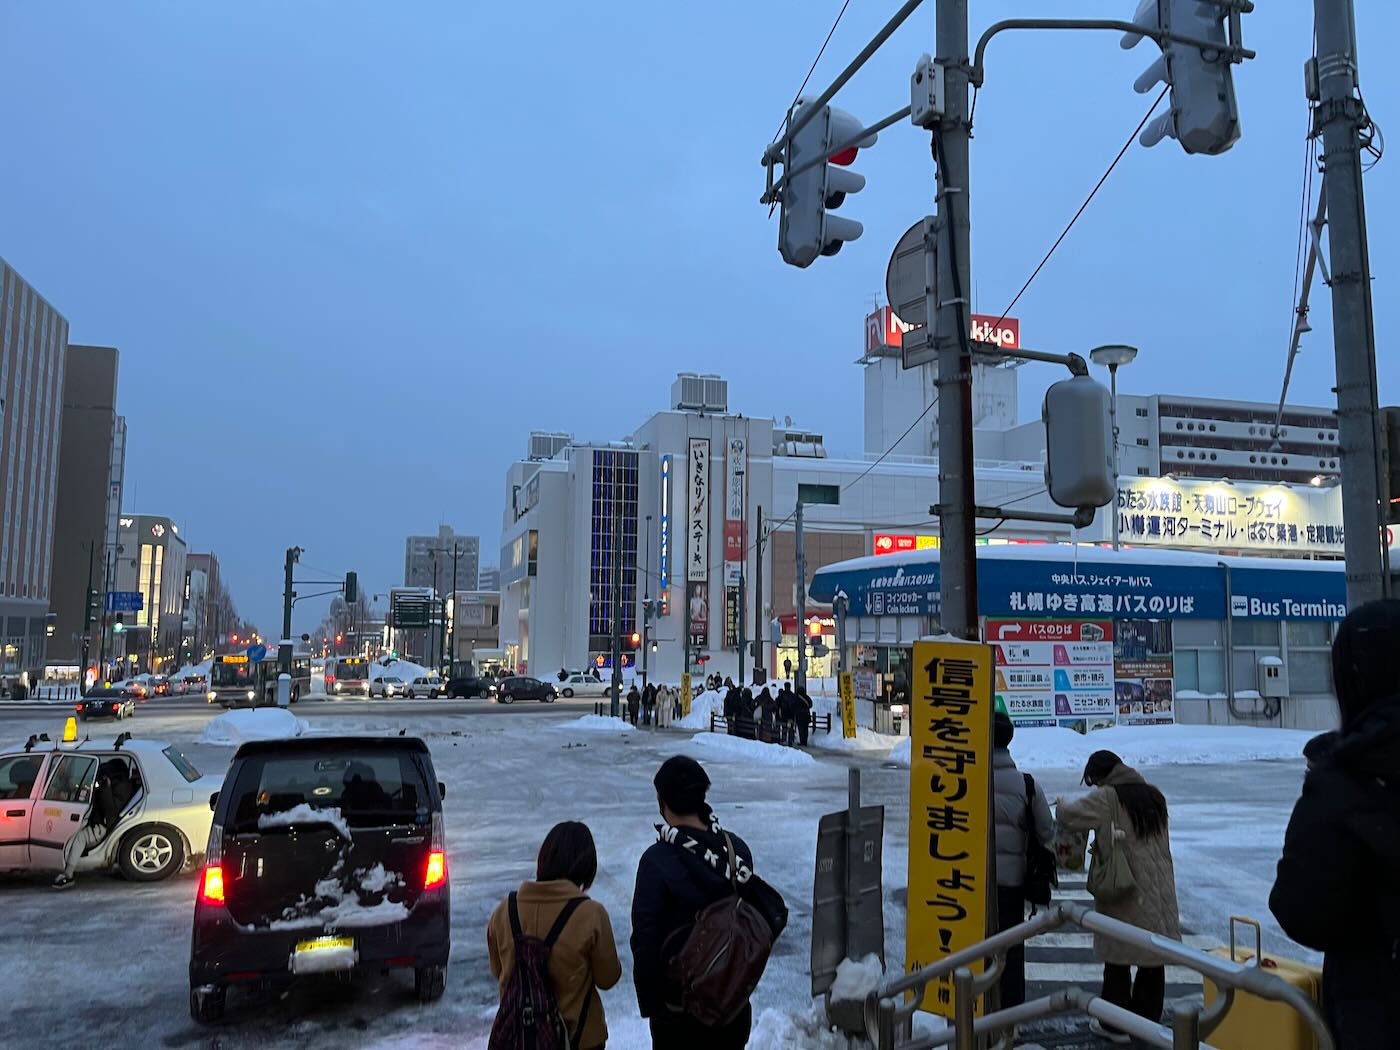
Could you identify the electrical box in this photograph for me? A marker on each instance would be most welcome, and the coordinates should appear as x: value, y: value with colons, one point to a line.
x: 926, y: 93
x: 1079, y: 457
x: 1273, y: 677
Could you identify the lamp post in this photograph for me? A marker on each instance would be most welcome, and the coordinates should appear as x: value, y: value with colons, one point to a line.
x: 1111, y: 356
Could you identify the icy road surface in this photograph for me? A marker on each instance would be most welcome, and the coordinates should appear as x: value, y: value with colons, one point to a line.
x: 109, y: 957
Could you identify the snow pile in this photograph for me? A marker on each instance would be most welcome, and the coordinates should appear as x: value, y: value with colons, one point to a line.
x: 305, y: 814
x: 347, y: 913
x: 711, y: 701
x: 404, y: 669
x: 857, y: 978
x: 263, y: 723
x: 1174, y: 745
x: 864, y: 740
x: 596, y: 724
x: 723, y: 748
x: 378, y: 879
x: 900, y: 753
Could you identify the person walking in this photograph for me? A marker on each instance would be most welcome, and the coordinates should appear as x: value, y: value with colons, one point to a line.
x: 1017, y: 817
x: 663, y: 706
x: 733, y: 709
x: 687, y: 869
x: 583, y: 957
x: 787, y: 714
x: 634, y: 703
x: 1134, y: 813
x: 767, y: 712
x: 648, y: 703
x: 1338, y: 885
x: 804, y: 716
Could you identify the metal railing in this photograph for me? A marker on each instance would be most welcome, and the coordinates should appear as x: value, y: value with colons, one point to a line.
x: 886, y: 1017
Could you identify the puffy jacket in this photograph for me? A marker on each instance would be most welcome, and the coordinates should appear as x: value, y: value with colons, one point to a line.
x: 1014, y: 818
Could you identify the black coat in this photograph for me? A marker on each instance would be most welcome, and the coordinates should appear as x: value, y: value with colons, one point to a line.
x: 733, y: 703
x: 1338, y: 885
x: 672, y: 887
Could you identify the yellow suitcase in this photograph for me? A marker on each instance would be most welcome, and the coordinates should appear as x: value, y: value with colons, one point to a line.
x: 1255, y: 1023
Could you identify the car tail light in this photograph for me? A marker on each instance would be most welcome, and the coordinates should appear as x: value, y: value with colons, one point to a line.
x: 211, y: 890
x: 79, y: 707
x: 436, y: 871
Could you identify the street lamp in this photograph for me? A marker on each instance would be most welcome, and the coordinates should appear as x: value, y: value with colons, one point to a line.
x: 1111, y: 356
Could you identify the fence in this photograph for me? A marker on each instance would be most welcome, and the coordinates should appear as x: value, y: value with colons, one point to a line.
x: 886, y: 1019
x: 769, y: 732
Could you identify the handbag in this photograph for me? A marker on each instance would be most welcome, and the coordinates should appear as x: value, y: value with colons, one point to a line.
x: 1110, y: 878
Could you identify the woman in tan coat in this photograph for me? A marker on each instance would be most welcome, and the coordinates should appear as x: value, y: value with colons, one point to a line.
x: 1124, y: 802
x: 584, y: 958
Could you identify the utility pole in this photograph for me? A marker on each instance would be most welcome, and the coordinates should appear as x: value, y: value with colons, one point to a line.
x: 949, y: 309
x: 284, y: 644
x: 800, y: 679
x: 646, y: 606
x: 1339, y: 117
x: 616, y: 602
x: 759, y: 625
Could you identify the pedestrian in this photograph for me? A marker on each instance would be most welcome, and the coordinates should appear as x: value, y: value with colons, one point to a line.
x: 685, y: 871
x: 1017, y: 817
x: 1128, y: 811
x: 663, y: 706
x: 648, y: 703
x: 787, y: 667
x: 733, y: 709
x: 804, y: 716
x: 1338, y: 884
x: 767, y: 710
x: 113, y: 790
x: 748, y: 711
x: 787, y: 713
x: 634, y: 703
x: 562, y: 675
x: 582, y: 959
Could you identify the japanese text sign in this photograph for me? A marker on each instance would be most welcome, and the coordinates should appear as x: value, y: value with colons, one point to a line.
x: 846, y: 686
x: 950, y: 779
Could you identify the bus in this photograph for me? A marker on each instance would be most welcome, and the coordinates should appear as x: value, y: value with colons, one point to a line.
x: 347, y: 675
x: 235, y: 680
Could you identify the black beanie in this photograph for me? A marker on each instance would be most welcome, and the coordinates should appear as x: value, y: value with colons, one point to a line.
x: 682, y: 782
x: 1003, y: 729
x: 1365, y: 670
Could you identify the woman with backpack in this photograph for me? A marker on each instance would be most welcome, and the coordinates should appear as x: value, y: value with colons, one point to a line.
x: 695, y: 864
x: 1128, y: 817
x: 551, y: 948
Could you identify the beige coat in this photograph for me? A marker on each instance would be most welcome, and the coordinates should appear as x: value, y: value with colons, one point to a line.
x: 583, y: 960
x: 1153, y: 906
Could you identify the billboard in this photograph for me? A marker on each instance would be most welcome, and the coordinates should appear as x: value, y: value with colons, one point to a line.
x: 1055, y: 672
x: 1144, y: 670
x: 697, y: 489
x: 665, y: 575
x: 736, y: 464
x: 698, y: 613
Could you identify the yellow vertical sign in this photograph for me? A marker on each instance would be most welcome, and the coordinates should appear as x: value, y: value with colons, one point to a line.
x: 846, y: 686
x: 950, y: 782
x: 685, y: 694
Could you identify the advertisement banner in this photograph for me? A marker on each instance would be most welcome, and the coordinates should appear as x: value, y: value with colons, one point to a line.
x: 665, y: 574
x: 846, y: 688
x: 698, y: 613
x: 866, y: 683
x: 697, y: 489
x: 1054, y: 669
x: 733, y: 543
x: 949, y: 809
x: 1144, y: 672
x: 685, y: 694
x: 731, y: 617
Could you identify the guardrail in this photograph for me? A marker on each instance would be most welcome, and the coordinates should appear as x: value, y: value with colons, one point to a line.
x: 770, y: 732
x: 886, y: 1019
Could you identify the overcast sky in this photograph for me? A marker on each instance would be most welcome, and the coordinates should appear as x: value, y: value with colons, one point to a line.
x: 352, y: 253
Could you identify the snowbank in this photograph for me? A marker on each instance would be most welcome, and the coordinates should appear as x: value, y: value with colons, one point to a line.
x: 721, y: 747
x: 1174, y: 745
x: 264, y: 723
x: 596, y: 724
x: 711, y: 701
x: 857, y: 978
x: 405, y: 669
x: 305, y: 814
x: 864, y: 740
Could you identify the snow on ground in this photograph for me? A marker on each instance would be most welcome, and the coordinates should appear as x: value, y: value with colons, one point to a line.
x: 406, y: 670
x: 711, y: 701
x: 263, y: 723
x: 720, y: 747
x: 595, y: 724
x: 1174, y: 745
x: 864, y: 740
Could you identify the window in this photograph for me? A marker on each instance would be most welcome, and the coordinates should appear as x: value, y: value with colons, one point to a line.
x: 72, y: 779
x: 1255, y: 634
x: 1309, y: 656
x: 17, y: 775
x: 1200, y: 656
x: 370, y: 788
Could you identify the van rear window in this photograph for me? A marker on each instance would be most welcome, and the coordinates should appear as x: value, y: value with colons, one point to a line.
x: 369, y: 788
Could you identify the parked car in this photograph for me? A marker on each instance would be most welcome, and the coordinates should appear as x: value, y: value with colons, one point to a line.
x: 194, y: 684
x: 48, y: 788
x: 326, y: 855
x: 106, y: 702
x: 522, y: 687
x: 468, y: 686
x: 426, y: 685
x: 584, y: 685
x: 138, y: 688
x: 386, y: 686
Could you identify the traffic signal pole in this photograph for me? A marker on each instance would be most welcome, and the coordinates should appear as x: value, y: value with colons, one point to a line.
x: 951, y: 308
x: 1340, y: 116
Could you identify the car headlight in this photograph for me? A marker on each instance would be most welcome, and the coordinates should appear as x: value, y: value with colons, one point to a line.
x: 337, y: 687
x: 251, y: 694
x: 211, y: 697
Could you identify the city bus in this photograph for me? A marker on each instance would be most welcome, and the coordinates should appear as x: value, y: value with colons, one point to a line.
x: 347, y: 675
x: 235, y: 680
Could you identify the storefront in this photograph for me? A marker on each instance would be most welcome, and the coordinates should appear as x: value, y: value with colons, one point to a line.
x: 1088, y: 637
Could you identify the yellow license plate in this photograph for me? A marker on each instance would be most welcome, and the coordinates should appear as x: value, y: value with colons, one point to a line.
x: 323, y: 943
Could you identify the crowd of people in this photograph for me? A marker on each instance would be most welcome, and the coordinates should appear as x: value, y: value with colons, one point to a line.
x: 653, y: 705
x: 776, y: 713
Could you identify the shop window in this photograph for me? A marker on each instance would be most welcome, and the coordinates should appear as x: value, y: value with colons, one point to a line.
x: 1201, y: 670
x: 1309, y: 656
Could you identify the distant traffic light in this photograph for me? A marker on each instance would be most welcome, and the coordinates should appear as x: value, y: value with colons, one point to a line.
x: 94, y: 604
x: 1390, y: 427
x: 814, y: 629
x: 635, y: 639
x: 352, y: 588
x: 1203, y: 116
x: 805, y: 229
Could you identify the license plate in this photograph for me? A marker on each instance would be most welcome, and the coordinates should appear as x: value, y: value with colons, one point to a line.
x: 324, y: 954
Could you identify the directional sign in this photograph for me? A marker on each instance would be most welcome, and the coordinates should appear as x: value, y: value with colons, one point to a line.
x: 414, y: 612
x: 256, y: 652
x: 124, y: 601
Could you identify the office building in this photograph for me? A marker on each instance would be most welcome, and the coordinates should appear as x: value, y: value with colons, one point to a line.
x: 442, y: 561
x: 202, y: 606
x: 84, y: 501
x: 33, y: 342
x: 489, y: 579
x: 151, y: 563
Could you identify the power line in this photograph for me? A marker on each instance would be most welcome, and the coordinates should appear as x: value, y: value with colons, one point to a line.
x: 820, y: 51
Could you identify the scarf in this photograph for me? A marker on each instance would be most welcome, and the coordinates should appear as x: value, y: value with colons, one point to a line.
x: 708, y: 847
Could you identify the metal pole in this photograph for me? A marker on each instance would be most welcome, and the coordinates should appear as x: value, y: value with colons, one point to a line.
x: 102, y: 640
x: 759, y: 625
x: 616, y: 602
x: 1339, y: 117
x: 1229, y: 641
x: 451, y: 660
x: 949, y: 310
x: 800, y: 679
x: 646, y: 608
x: 87, y: 624
x: 1113, y: 423
x: 742, y: 613
x: 853, y: 844
x: 284, y: 648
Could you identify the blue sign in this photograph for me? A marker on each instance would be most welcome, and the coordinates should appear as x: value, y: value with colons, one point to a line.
x: 256, y: 652
x: 124, y: 601
x: 1059, y: 588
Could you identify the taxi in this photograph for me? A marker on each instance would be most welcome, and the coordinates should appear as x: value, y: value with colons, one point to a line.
x: 46, y: 794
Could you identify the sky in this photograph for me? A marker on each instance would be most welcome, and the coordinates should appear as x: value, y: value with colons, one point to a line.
x: 354, y: 252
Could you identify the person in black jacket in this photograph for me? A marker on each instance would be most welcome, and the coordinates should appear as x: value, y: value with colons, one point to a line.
x: 113, y: 790
x: 1338, y: 883
x: 686, y: 870
x: 804, y: 716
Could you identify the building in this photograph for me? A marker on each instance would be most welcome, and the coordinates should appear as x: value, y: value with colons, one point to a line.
x: 84, y: 501
x: 474, y: 627
x: 201, y: 625
x: 444, y: 562
x: 33, y: 345
x: 150, y: 562
x: 489, y: 579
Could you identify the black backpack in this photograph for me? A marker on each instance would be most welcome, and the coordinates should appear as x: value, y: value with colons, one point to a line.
x: 529, y: 1017
x: 1041, y: 876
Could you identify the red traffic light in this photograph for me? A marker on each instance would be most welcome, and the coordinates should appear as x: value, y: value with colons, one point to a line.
x: 845, y: 157
x: 814, y: 629
x: 636, y: 639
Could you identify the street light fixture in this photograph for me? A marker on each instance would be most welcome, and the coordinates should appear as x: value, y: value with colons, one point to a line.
x: 1111, y: 356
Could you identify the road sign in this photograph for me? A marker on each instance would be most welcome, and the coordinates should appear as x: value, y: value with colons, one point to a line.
x: 904, y: 276
x: 848, y: 705
x: 124, y: 601
x: 847, y: 927
x: 685, y: 694
x: 256, y: 652
x: 413, y: 612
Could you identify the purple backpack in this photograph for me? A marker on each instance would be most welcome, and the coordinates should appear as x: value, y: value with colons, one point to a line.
x: 529, y: 1017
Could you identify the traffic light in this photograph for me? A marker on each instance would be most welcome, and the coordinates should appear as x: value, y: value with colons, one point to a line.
x: 94, y: 605
x: 1079, y: 467
x: 805, y: 229
x: 352, y: 588
x: 635, y: 639
x: 120, y: 626
x: 1203, y: 116
x: 1390, y: 428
